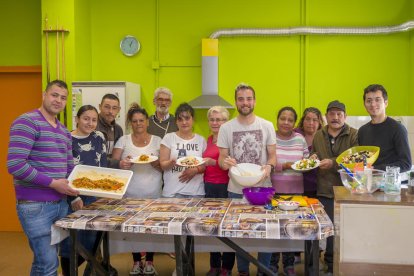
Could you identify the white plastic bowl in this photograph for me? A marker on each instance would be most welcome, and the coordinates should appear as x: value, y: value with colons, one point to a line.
x: 288, y: 205
x: 252, y: 174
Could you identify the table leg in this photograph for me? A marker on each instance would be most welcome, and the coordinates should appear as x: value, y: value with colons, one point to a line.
x: 184, y: 256
x: 73, y: 233
x: 265, y: 270
x: 312, y: 257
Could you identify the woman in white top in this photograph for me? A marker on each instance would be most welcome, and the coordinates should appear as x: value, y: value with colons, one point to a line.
x: 146, y: 181
x: 181, y: 181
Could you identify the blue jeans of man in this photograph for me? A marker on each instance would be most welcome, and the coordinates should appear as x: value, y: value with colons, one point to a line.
x: 243, y: 264
x: 36, y: 219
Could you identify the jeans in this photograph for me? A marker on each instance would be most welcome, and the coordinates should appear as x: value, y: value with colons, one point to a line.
x: 328, y: 204
x: 288, y: 259
x: 187, y: 196
x: 36, y: 219
x: 218, y: 259
x: 243, y: 264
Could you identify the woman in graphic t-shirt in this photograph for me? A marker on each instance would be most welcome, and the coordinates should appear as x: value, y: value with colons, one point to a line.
x: 180, y: 181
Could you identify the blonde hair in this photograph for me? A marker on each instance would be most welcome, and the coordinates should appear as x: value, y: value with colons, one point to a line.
x: 219, y: 109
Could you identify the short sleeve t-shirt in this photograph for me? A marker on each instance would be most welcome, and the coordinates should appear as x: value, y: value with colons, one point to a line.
x: 180, y: 148
x: 247, y: 144
x: 146, y: 181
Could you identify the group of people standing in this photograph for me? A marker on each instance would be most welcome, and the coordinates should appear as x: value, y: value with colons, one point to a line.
x: 42, y: 153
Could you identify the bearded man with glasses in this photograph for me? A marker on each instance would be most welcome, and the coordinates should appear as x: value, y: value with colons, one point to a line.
x: 162, y: 122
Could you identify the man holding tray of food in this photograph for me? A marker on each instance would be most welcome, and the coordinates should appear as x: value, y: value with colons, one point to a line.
x: 247, y: 139
x: 40, y: 159
x: 108, y: 110
x: 382, y: 131
x: 328, y: 143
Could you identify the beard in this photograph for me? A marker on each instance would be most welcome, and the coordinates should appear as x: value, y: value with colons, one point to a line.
x: 245, y: 113
x: 162, y: 110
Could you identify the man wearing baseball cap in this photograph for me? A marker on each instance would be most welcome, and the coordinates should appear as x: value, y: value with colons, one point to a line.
x: 329, y: 142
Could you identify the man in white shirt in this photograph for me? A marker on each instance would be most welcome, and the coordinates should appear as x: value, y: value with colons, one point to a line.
x: 247, y: 139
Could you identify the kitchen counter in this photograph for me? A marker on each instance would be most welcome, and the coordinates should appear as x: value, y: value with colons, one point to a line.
x: 373, y: 233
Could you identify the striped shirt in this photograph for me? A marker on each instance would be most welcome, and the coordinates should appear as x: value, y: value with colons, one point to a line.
x: 37, y: 154
x: 289, y: 149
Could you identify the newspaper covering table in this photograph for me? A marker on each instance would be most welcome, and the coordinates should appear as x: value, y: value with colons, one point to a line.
x: 201, y: 217
x: 231, y: 221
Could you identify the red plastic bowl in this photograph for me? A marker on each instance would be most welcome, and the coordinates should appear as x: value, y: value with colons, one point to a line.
x: 258, y: 195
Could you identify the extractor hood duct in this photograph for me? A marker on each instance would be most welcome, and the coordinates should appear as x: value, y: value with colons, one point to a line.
x: 209, y: 93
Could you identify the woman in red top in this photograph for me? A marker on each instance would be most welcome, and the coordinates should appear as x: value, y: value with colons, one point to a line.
x: 215, y: 184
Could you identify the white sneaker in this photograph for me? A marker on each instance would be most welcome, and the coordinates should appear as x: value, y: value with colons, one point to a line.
x: 149, y: 269
x: 136, y: 269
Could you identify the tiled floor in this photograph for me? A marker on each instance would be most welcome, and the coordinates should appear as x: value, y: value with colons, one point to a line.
x: 16, y: 259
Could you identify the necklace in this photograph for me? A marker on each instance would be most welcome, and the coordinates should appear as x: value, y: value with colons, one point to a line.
x: 160, y: 126
x: 137, y: 141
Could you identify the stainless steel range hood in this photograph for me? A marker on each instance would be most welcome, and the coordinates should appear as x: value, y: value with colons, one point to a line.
x: 209, y: 93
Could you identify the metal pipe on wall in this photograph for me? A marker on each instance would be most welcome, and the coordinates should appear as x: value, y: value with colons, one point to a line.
x: 307, y: 30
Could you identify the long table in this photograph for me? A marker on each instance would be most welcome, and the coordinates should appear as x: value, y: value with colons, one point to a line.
x: 184, y: 222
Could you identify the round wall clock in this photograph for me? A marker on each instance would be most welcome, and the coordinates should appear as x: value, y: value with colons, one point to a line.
x: 130, y: 45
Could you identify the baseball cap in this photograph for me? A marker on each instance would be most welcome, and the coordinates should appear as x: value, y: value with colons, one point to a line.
x: 336, y: 104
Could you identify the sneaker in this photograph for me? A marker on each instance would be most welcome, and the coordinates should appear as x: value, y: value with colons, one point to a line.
x: 213, y: 272
x: 289, y: 271
x: 149, y: 269
x: 136, y: 269
x: 225, y: 272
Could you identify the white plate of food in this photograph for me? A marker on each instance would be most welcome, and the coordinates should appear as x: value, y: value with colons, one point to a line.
x: 190, y: 161
x: 144, y: 159
x: 305, y: 165
x: 100, y: 182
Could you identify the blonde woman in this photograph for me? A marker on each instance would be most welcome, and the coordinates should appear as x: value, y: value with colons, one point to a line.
x: 216, y: 181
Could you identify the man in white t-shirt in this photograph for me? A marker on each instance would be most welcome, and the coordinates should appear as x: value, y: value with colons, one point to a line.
x: 247, y: 139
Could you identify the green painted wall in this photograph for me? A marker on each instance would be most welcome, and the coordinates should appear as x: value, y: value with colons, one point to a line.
x: 296, y: 71
x: 20, y: 29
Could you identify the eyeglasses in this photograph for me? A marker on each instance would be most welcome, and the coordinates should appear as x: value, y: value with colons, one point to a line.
x: 216, y: 120
x: 160, y: 100
x: 108, y: 107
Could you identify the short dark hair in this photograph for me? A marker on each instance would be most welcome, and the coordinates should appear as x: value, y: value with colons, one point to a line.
x: 243, y: 86
x: 374, y: 88
x: 59, y: 83
x: 85, y: 108
x: 288, y: 108
x: 135, y: 108
x: 110, y: 97
x: 184, y: 107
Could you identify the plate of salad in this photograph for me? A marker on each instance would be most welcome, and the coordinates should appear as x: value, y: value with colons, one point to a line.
x: 305, y: 165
